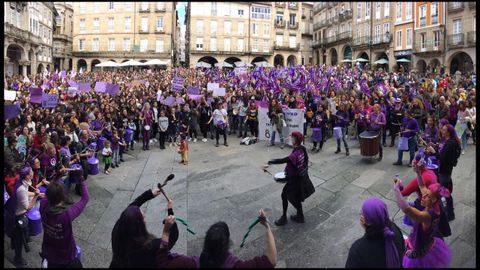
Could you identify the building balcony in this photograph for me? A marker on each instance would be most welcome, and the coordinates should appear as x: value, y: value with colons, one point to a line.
x: 20, y: 34
x: 280, y: 4
x: 429, y: 47
x: 434, y: 20
x: 382, y: 39
x: 62, y: 37
x: 160, y: 31
x: 143, y: 31
x: 330, y: 40
x: 455, y: 7
x: 132, y: 54
x: 144, y: 10
x: 293, y: 26
x: 160, y: 9
x: 423, y: 22
x: 317, y: 44
x: 456, y: 40
x: 319, y: 7
x: 280, y: 24
x: 347, y: 14
x: 472, y: 38
x: 258, y: 51
x: 361, y: 41
x: 344, y: 35
x: 292, y: 5
x: 319, y: 25
x: 286, y: 47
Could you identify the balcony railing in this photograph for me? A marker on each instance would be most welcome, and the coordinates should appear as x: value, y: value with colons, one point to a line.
x: 319, y: 25
x: 293, y: 26
x: 430, y: 46
x: 280, y: 4
x: 317, y: 8
x: 259, y: 50
x: 380, y: 39
x: 144, y: 10
x: 143, y: 31
x: 455, y: 7
x: 456, y: 40
x: 160, y: 9
x: 472, y: 38
x: 331, y: 39
x: 361, y: 41
x: 286, y: 47
x: 280, y: 24
x: 293, y: 5
x: 344, y: 35
x: 317, y: 43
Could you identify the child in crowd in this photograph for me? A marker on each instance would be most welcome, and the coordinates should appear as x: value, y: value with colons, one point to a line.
x: 122, y: 144
x: 183, y: 150
x: 107, y: 156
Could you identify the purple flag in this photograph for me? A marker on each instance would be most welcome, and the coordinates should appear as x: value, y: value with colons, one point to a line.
x: 209, y: 101
x: 84, y: 87
x: 169, y: 101
x: 11, y: 111
x: 194, y: 90
x: 35, y: 95
x: 195, y: 97
x: 113, y: 89
x: 262, y: 104
x: 54, y: 77
x: 72, y: 83
x: 100, y: 87
x: 180, y: 100
x: 63, y: 74
x: 49, y: 100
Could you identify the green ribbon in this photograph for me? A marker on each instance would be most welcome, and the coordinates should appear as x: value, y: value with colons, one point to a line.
x: 257, y: 220
x: 186, y: 225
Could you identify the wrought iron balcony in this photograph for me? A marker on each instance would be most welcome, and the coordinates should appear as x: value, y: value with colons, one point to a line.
x: 456, y: 40
x: 280, y: 4
x: 317, y: 43
x: 344, y: 35
x: 160, y: 9
x: 144, y: 10
x: 430, y: 46
x: 280, y: 24
x: 455, y: 7
x: 293, y: 26
x: 362, y: 41
x: 382, y: 39
x: 472, y: 38
x: 286, y: 47
x: 319, y: 7
x: 292, y: 5
x: 331, y: 39
x: 319, y: 25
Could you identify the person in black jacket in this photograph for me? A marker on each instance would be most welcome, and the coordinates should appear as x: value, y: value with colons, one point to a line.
x: 298, y: 186
x: 382, y: 245
x: 132, y: 244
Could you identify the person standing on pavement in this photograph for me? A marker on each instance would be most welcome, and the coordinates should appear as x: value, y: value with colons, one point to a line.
x: 318, y: 128
x: 382, y: 245
x: 409, y: 130
x: 147, y: 121
x: 298, y: 186
x: 376, y: 122
x: 58, y: 246
x: 220, y: 121
x: 163, y: 127
x: 342, y: 121
x: 275, y: 113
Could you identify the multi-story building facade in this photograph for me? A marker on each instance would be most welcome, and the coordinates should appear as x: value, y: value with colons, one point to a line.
x: 287, y: 37
x: 372, y: 37
x: 461, y: 37
x: 306, y: 29
x: 403, y: 25
x: 429, y: 36
x: 243, y: 31
x: 119, y: 31
x: 28, y: 28
x: 62, y: 36
x: 332, y: 41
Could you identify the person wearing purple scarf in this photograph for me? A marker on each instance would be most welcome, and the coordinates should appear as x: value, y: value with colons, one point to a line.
x: 382, y: 245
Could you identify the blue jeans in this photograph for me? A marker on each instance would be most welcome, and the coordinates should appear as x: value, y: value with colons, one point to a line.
x: 464, y: 140
x: 241, y: 124
x: 344, y: 131
x: 412, y: 145
x: 272, y: 138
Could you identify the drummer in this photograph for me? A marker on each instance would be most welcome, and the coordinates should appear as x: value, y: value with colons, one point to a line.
x: 376, y: 122
x: 298, y: 186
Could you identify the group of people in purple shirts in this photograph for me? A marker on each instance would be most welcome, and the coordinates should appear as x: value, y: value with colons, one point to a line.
x: 41, y: 145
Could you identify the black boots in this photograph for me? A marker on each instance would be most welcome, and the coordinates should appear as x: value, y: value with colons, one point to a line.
x: 346, y: 152
x: 281, y: 221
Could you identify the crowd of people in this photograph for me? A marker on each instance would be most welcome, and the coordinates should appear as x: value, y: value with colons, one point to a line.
x: 46, y: 150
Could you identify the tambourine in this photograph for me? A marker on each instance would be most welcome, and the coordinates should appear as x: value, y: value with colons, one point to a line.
x: 146, y: 127
x: 280, y: 177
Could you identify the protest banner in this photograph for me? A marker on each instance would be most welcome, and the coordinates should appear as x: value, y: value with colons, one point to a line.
x: 35, y: 95
x: 169, y: 101
x: 179, y: 100
x: 49, y: 100
x: 219, y: 92
x: 177, y: 84
x: 100, y: 87
x: 193, y: 90
x: 113, y: 89
x: 11, y: 111
x: 197, y: 98
x: 83, y: 87
x: 212, y: 86
x: 9, y: 95
x: 72, y: 83
x: 293, y: 119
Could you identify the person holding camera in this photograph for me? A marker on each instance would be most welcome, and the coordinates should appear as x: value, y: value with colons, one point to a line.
x: 58, y: 246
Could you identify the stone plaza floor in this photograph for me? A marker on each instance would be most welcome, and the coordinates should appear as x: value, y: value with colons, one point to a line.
x: 228, y: 184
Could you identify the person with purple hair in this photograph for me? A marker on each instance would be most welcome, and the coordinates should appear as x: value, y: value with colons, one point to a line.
x: 382, y: 244
x: 424, y: 248
x: 447, y: 155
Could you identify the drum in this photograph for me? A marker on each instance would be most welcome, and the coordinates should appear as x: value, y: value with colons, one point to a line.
x: 337, y: 133
x: 280, y: 177
x: 34, y: 222
x: 74, y: 176
x: 94, y: 166
x: 369, y: 143
x: 92, y: 146
x: 403, y: 144
x: 317, y: 134
x: 128, y: 135
x: 100, y: 143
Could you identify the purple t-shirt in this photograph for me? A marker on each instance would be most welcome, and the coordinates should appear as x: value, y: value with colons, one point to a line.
x: 381, y: 119
x: 48, y: 164
x: 296, y: 164
x: 410, y: 124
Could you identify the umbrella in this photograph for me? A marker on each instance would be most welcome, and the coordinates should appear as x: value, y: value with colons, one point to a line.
x: 263, y: 64
x: 361, y: 60
x: 403, y: 60
x: 240, y: 64
x: 381, y: 61
x: 224, y: 64
x: 346, y: 60
x: 202, y: 65
x: 131, y: 63
x: 107, y: 64
x: 155, y: 62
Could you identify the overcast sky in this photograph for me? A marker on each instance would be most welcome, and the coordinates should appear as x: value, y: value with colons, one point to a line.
x: 181, y: 11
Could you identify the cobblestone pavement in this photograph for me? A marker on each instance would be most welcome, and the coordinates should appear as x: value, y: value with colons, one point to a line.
x: 227, y: 183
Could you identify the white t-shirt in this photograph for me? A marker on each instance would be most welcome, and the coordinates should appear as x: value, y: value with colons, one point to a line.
x: 219, y: 116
